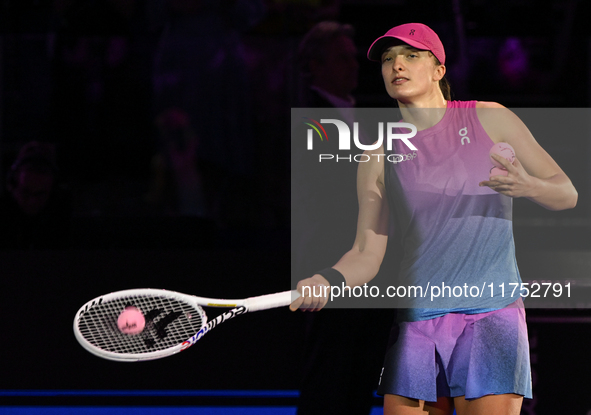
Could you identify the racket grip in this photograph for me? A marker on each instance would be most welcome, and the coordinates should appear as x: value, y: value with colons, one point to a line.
x: 265, y: 302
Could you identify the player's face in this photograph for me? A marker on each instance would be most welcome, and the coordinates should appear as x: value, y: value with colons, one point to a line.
x: 410, y: 74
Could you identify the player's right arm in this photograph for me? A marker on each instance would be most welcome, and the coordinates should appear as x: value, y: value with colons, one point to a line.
x: 362, y: 262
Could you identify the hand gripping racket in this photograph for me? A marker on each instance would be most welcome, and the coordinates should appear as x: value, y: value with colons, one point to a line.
x: 173, y: 321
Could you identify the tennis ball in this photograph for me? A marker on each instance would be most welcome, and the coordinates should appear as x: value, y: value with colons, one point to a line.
x: 497, y: 171
x: 131, y: 321
x: 504, y: 150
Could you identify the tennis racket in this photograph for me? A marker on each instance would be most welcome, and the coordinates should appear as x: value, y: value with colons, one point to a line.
x: 173, y: 321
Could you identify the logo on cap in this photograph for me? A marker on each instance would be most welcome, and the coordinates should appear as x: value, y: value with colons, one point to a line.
x: 416, y: 35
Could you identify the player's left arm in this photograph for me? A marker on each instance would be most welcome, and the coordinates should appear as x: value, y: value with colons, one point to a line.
x: 533, y: 174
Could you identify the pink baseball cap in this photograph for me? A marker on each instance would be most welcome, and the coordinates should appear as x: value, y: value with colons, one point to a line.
x: 416, y: 35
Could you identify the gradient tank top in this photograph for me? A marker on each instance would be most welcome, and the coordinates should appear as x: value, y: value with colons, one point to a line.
x: 455, y: 235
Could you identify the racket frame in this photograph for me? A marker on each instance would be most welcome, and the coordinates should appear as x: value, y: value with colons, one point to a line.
x: 238, y: 307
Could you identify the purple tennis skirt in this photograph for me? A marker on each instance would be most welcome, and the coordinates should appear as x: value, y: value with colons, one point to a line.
x: 469, y: 355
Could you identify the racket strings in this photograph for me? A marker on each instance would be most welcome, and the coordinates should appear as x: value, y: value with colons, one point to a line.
x: 169, y: 322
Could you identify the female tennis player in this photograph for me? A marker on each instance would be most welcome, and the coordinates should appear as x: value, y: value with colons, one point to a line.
x: 454, y: 221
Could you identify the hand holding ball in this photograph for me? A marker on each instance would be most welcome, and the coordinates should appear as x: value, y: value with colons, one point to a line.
x: 504, y: 150
x: 496, y: 171
x: 131, y: 321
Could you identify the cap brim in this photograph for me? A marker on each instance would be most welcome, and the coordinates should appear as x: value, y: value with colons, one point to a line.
x: 376, y: 49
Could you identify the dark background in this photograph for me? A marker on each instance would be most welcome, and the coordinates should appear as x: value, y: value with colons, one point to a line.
x: 91, y: 77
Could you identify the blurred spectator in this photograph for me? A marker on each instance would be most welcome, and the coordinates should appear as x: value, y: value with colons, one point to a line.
x: 513, y: 61
x: 177, y: 186
x: 35, y: 210
x: 329, y: 66
x: 200, y: 66
x: 342, y: 366
x: 102, y: 53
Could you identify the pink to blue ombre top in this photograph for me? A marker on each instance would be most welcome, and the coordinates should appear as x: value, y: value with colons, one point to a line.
x: 453, y: 232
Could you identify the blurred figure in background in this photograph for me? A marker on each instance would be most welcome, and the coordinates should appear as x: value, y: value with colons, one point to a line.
x: 200, y: 66
x: 177, y: 186
x: 35, y: 209
x: 342, y: 363
x: 328, y: 64
x: 101, y: 54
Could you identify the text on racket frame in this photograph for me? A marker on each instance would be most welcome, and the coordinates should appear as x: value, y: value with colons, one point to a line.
x: 219, y: 319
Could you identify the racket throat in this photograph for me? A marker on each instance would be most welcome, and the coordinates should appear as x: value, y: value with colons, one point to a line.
x: 212, y: 324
